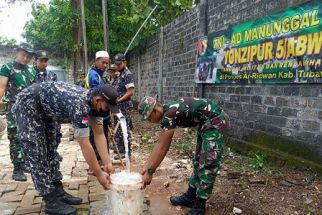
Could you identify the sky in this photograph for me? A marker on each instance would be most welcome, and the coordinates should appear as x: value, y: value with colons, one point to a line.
x: 13, y: 18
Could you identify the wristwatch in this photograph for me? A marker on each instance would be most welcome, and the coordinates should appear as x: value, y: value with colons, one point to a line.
x: 151, y: 171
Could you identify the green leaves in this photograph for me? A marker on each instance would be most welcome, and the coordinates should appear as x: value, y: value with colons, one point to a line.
x: 52, y: 29
x: 6, y: 41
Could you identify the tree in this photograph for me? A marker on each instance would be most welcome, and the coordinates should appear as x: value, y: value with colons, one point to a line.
x: 57, y: 28
x: 6, y: 41
x: 52, y: 28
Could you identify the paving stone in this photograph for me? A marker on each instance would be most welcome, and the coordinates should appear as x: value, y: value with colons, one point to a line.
x: 31, y: 192
x: 83, y: 212
x: 38, y: 200
x: 27, y: 200
x: 92, y: 178
x: 8, y: 212
x: 96, y: 189
x: 96, y: 196
x: 5, y: 188
x: 73, y: 185
x: 14, y: 193
x: 94, y: 183
x: 83, y: 193
x: 29, y: 209
x: 80, y: 180
x: 83, y: 189
x: 11, y: 198
x: 22, y: 187
x: 8, y: 207
x: 82, y: 206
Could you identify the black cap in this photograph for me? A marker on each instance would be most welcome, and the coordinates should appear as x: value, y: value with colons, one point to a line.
x: 41, y: 54
x: 112, y: 67
x: 110, y: 95
x: 26, y: 47
x: 119, y: 58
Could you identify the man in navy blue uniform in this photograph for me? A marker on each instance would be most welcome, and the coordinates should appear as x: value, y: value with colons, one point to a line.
x: 41, y: 105
x: 125, y: 88
x: 42, y: 75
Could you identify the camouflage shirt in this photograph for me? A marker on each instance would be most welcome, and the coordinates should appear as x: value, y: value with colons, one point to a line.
x: 20, y: 77
x: 122, y: 83
x: 189, y: 112
x: 57, y: 101
x: 45, y: 76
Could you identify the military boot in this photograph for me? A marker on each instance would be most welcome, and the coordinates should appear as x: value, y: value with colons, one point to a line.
x: 187, y: 199
x: 18, y: 174
x: 25, y: 168
x: 55, y: 207
x: 64, y: 196
x: 199, y: 207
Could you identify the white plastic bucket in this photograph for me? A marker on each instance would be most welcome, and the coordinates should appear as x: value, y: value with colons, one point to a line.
x: 126, y: 196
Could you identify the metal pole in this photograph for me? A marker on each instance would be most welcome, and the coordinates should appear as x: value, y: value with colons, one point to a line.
x: 84, y: 36
x: 139, y: 78
x: 104, y: 23
x: 160, y: 84
x: 140, y: 29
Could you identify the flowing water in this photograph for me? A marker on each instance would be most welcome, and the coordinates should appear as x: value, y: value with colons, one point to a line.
x: 123, y: 125
x: 126, y: 196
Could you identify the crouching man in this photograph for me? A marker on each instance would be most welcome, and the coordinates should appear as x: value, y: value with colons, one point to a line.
x: 188, y: 112
x: 36, y: 110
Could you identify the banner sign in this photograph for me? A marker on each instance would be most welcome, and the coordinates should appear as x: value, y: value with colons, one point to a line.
x: 281, y: 48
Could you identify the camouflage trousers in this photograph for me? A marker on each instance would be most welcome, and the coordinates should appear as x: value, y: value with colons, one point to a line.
x: 16, y: 150
x: 38, y: 138
x: 119, y: 134
x: 207, y: 161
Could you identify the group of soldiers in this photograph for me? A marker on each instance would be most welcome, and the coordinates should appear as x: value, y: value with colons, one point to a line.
x: 15, y: 76
x: 37, y: 104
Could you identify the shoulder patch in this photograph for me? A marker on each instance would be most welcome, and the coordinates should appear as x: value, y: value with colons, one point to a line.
x: 85, y: 120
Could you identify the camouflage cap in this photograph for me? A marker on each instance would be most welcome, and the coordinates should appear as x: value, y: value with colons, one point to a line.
x: 146, y: 106
x: 41, y: 54
x: 26, y: 47
x: 112, y: 67
x: 119, y: 58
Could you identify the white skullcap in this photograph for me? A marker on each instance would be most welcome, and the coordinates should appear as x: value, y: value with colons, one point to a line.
x: 101, y: 54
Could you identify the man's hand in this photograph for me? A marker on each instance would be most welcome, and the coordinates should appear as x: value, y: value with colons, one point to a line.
x: 147, y: 178
x: 109, y: 168
x: 104, y: 179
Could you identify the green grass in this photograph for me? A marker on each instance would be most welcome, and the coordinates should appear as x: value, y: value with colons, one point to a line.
x: 258, y: 161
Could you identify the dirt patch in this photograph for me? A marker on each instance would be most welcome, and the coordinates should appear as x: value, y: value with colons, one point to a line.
x: 245, y: 185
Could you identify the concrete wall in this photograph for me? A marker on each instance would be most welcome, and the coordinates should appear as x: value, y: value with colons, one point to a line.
x: 277, y: 116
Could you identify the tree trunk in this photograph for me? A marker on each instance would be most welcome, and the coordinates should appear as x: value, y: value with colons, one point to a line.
x: 77, y: 36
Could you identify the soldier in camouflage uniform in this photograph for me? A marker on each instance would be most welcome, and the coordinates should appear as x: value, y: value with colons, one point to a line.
x: 125, y: 87
x: 36, y: 110
x: 188, y: 112
x: 42, y: 75
x: 14, y: 77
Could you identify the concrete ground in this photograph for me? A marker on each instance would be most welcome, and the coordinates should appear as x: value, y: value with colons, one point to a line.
x: 21, y: 198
